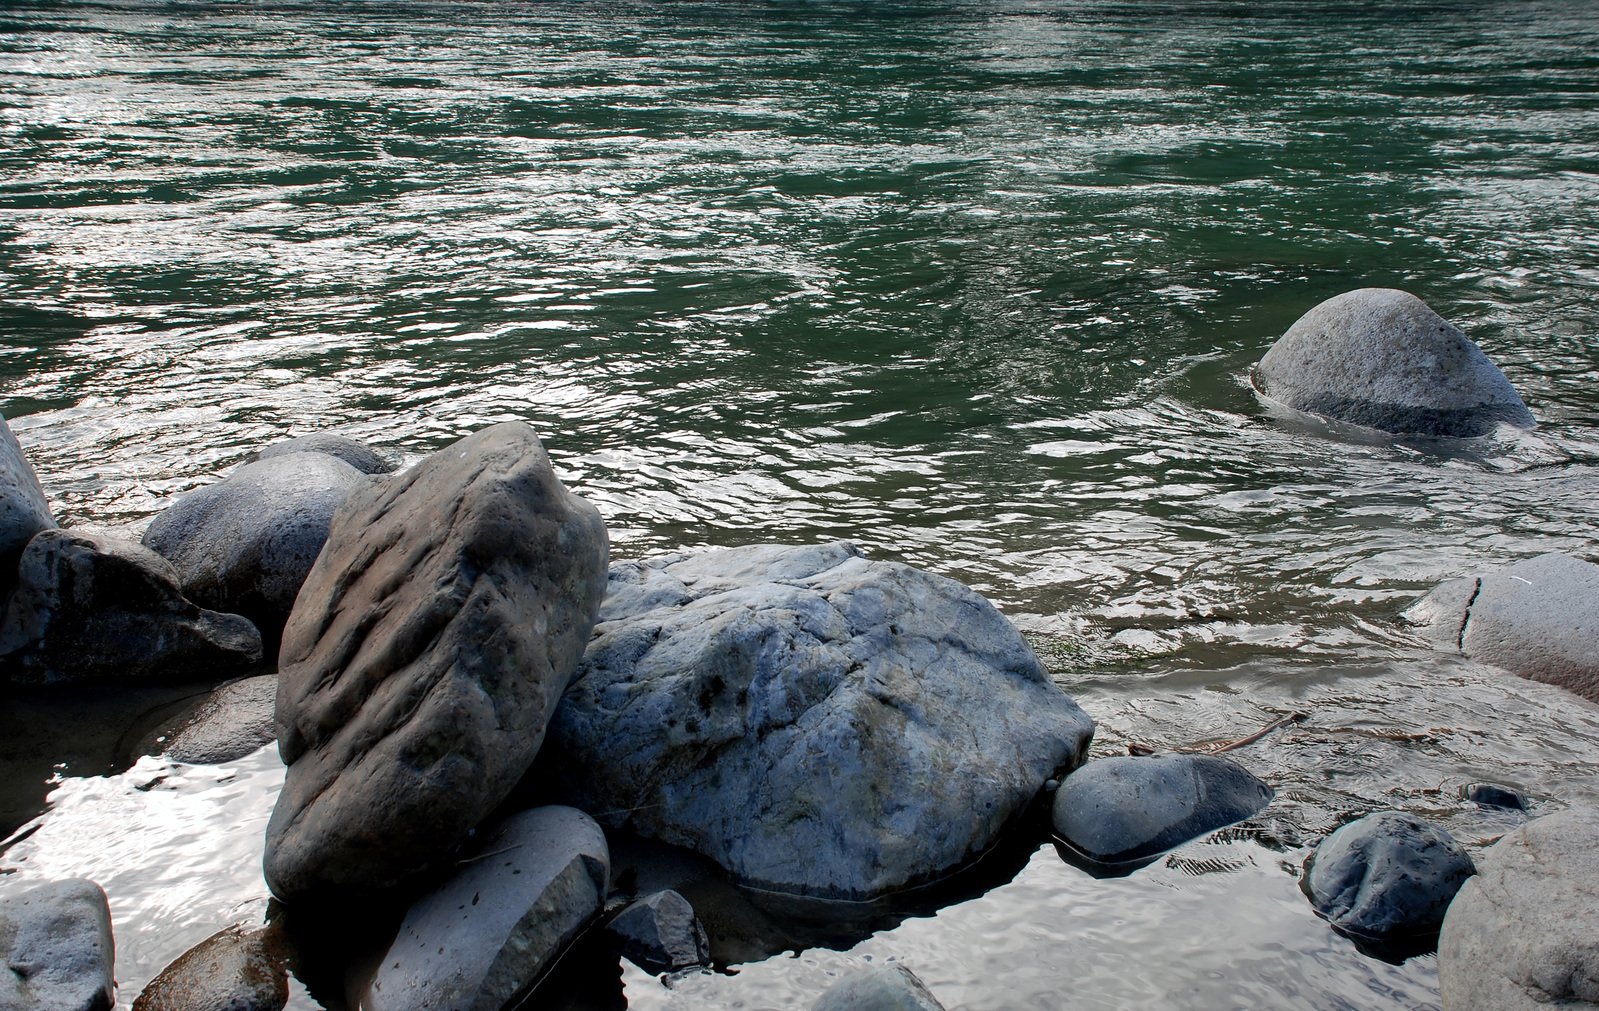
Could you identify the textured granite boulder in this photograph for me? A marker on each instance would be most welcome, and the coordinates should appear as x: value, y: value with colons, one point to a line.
x: 487, y: 934
x: 660, y: 933
x: 878, y: 988
x: 232, y: 970
x: 87, y: 606
x: 1126, y: 810
x: 814, y: 722
x: 245, y: 544
x: 1538, y: 618
x: 1389, y: 875
x: 1523, y: 935
x: 231, y: 722
x: 1382, y: 359
x: 56, y: 940
x: 424, y: 655
x: 357, y: 454
x: 23, y: 508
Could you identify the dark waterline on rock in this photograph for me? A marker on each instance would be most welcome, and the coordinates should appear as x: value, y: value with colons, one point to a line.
x: 976, y: 285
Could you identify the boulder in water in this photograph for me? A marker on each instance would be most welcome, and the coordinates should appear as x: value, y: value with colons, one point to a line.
x: 660, y: 933
x: 57, y: 945
x: 357, y: 454
x: 232, y: 970
x: 1387, y: 876
x: 231, y: 722
x: 23, y: 508
x: 879, y: 988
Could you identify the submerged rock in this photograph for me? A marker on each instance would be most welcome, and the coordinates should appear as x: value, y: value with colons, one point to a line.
x: 426, y: 651
x: 1538, y: 618
x: 660, y: 933
x: 24, y: 511
x: 99, y: 607
x: 491, y: 931
x: 231, y: 722
x: 879, y: 988
x: 1126, y: 810
x: 814, y: 722
x: 246, y: 543
x: 57, y: 944
x: 1388, y: 876
x: 357, y: 454
x: 232, y: 970
x: 1380, y: 358
x: 1523, y: 935
x: 1494, y: 795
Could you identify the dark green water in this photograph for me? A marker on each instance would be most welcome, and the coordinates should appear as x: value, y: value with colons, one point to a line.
x: 977, y: 285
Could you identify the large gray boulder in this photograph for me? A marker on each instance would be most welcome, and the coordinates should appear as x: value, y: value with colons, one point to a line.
x: 357, y: 454
x: 890, y: 987
x: 23, y: 508
x: 1128, y: 810
x: 245, y: 544
x: 232, y: 970
x: 1387, y: 876
x: 490, y: 932
x: 88, y: 606
x: 1380, y: 358
x: 1523, y: 935
x: 58, y: 950
x: 1538, y: 618
x: 423, y: 658
x: 814, y: 722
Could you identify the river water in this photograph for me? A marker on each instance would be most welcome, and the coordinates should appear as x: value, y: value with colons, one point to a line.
x: 977, y: 285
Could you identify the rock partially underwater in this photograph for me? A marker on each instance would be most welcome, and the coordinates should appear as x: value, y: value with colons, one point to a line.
x: 1389, y: 876
x: 24, y: 510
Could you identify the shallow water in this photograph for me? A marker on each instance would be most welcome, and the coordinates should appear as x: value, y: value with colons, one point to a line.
x: 976, y: 285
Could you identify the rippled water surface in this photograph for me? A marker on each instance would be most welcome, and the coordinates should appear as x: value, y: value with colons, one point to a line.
x: 976, y: 285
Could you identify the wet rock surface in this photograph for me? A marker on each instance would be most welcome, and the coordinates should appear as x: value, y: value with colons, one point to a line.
x: 1382, y: 359
x: 58, y: 949
x: 1126, y: 810
x: 424, y: 656
x: 88, y: 606
x: 232, y: 970
x: 814, y: 722
x: 24, y: 511
x: 1387, y: 876
x: 879, y: 988
x: 660, y: 933
x: 231, y: 722
x: 341, y: 447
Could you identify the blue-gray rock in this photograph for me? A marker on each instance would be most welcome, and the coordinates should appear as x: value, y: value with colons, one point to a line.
x: 1538, y: 618
x: 487, y: 934
x: 232, y: 970
x: 233, y: 721
x: 425, y: 653
x: 660, y: 933
x: 878, y: 988
x: 245, y: 544
x: 357, y: 454
x: 1381, y: 359
x: 814, y: 722
x: 1523, y: 935
x: 24, y: 511
x: 1126, y: 810
x: 58, y: 949
x: 1387, y: 876
x: 88, y: 606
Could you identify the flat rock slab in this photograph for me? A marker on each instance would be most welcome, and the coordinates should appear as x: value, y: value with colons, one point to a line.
x: 879, y: 988
x: 1387, y: 876
x: 1538, y: 618
x: 1382, y: 359
x: 814, y: 722
x: 88, y: 606
x: 1523, y: 935
x: 24, y: 510
x: 489, y: 933
x: 660, y: 933
x: 357, y: 454
x: 423, y: 658
x: 232, y: 970
x: 1122, y: 811
x: 56, y: 940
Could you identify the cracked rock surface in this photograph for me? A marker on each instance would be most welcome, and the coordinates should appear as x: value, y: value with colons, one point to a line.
x: 814, y: 722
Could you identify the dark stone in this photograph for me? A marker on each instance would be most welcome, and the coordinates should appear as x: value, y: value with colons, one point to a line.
x: 1127, y: 810
x: 56, y: 939
x: 99, y: 607
x: 1389, y: 875
x: 232, y: 970
x: 879, y: 988
x: 1381, y: 359
x: 1494, y: 795
x: 490, y: 932
x: 660, y: 933
x: 233, y: 721
x: 24, y: 511
x: 357, y: 454
x: 423, y: 658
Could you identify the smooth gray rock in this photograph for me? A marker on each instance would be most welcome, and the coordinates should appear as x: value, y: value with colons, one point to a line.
x: 423, y: 658
x: 56, y: 938
x: 878, y: 988
x: 245, y: 544
x: 357, y: 454
x: 233, y: 721
x: 1125, y: 810
x: 660, y: 933
x: 1380, y: 358
x: 1538, y: 618
x: 814, y: 722
x: 24, y: 511
x: 488, y: 934
x: 232, y: 970
x: 1523, y: 935
x: 87, y: 606
x: 1387, y: 876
